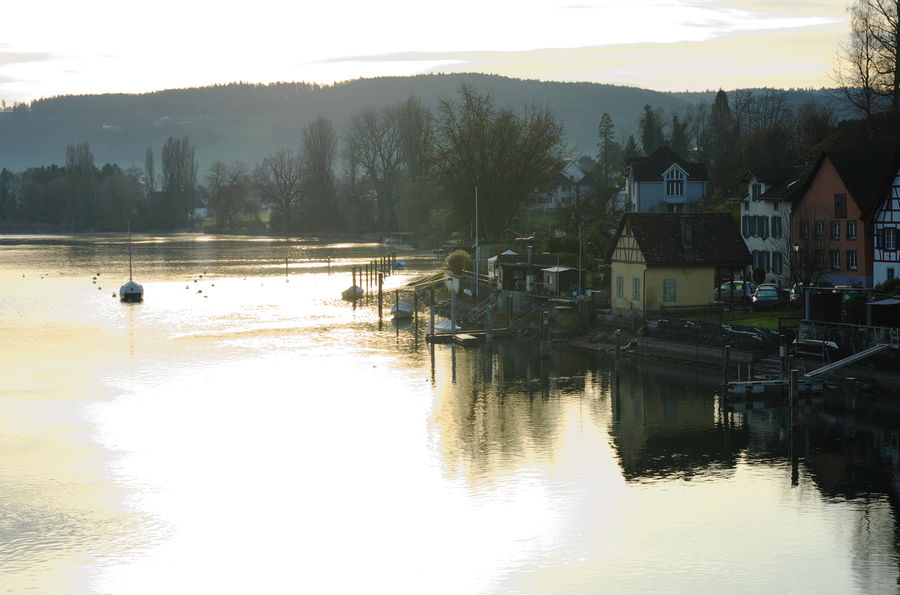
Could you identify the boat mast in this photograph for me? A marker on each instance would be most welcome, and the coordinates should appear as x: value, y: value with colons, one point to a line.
x: 130, y: 278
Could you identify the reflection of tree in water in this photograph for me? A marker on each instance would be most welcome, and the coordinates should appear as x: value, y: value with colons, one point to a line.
x: 507, y: 405
x: 669, y: 423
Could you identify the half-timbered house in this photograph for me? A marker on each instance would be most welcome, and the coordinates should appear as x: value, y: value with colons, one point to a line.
x: 886, y: 226
x: 660, y: 260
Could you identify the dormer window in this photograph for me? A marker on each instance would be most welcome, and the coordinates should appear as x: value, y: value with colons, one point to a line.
x: 675, y: 178
x: 755, y: 191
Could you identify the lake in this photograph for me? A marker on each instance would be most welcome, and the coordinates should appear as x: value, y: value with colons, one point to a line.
x: 244, y: 430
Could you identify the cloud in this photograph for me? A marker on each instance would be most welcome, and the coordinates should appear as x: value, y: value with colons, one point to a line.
x: 794, y: 58
x: 8, y: 58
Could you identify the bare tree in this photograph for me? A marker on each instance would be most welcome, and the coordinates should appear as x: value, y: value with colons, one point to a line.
x: 229, y: 187
x: 279, y: 182
x: 868, y: 65
x: 414, y: 120
x: 373, y: 148
x: 317, y: 158
x: 809, y: 251
x: 507, y: 156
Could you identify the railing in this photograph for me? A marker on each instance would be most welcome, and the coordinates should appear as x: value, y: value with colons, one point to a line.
x: 852, y: 338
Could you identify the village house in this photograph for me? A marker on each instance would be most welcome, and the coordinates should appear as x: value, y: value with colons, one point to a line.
x: 765, y: 220
x: 831, y: 220
x: 664, y: 183
x: 571, y: 187
x: 886, y: 225
x: 664, y: 260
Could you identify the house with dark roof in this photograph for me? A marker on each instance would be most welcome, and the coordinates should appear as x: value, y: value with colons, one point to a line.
x: 831, y: 221
x: 885, y: 219
x: 668, y: 259
x: 664, y: 182
x: 765, y: 219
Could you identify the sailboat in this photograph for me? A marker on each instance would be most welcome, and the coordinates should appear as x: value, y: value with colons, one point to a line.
x: 131, y: 291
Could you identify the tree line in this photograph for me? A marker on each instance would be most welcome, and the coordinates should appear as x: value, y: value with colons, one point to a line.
x: 402, y: 168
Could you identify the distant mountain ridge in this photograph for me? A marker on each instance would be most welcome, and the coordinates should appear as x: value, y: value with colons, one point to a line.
x: 245, y: 122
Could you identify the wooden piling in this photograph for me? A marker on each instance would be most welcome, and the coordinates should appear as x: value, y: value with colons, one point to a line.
x: 380, y: 297
x: 726, y: 356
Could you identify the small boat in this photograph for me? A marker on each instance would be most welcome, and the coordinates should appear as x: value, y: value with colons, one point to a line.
x: 131, y: 291
x: 353, y: 293
x: 401, y: 311
x: 445, y: 326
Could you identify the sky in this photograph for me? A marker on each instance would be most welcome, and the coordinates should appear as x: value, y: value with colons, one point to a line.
x: 104, y: 46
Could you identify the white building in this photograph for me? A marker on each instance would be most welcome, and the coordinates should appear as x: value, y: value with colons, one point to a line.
x: 766, y: 219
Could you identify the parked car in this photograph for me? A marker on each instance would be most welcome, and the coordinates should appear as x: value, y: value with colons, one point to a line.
x: 735, y: 291
x: 766, y: 297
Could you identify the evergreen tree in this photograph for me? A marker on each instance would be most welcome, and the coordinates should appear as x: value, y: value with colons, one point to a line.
x: 651, y: 130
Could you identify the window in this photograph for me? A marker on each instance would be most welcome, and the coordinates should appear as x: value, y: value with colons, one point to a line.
x: 675, y: 182
x: 746, y: 205
x: 851, y: 230
x: 890, y: 273
x: 636, y: 288
x: 669, y: 290
x: 755, y: 191
x: 851, y: 260
x: 890, y: 239
x: 840, y: 206
x: 620, y: 286
x: 752, y: 229
x: 836, y: 259
x: 820, y: 229
x: 775, y: 205
x: 804, y: 229
x: 776, y: 227
x: 776, y: 263
x: 820, y: 259
x: 762, y: 227
x: 745, y: 226
x: 835, y: 230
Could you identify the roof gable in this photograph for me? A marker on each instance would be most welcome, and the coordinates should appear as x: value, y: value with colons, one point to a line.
x: 653, y: 167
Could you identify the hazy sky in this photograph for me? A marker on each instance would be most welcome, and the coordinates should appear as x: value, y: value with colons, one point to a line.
x: 99, y: 46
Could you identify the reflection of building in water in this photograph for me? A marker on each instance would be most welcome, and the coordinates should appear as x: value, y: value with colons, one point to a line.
x: 669, y: 423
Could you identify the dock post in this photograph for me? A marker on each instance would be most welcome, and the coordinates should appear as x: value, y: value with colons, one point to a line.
x: 431, y: 313
x: 726, y: 356
x: 452, y: 311
x: 380, y: 298
x: 353, y: 272
x: 794, y: 389
x: 416, y: 307
x: 397, y: 300
x: 328, y: 264
x: 489, y: 326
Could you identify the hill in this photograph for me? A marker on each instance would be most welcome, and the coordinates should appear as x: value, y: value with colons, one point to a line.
x: 245, y: 122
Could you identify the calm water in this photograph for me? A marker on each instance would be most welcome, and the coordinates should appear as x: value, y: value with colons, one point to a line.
x: 246, y: 431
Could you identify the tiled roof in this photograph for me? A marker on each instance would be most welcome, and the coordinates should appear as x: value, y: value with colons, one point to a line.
x: 714, y: 239
x: 787, y: 187
x: 862, y: 171
x: 651, y: 168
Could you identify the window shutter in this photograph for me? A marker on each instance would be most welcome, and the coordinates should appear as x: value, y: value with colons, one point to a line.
x: 764, y: 227
x: 745, y: 226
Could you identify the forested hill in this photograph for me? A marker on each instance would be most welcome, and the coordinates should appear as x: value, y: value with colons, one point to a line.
x: 244, y: 122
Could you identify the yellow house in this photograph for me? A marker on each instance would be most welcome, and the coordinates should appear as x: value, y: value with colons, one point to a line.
x: 672, y: 259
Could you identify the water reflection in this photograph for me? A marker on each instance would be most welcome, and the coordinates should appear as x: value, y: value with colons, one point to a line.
x: 270, y: 428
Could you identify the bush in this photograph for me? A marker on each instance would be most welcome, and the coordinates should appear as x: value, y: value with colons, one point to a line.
x: 458, y: 261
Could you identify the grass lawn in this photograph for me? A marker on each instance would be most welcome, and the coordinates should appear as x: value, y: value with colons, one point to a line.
x: 765, y: 319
